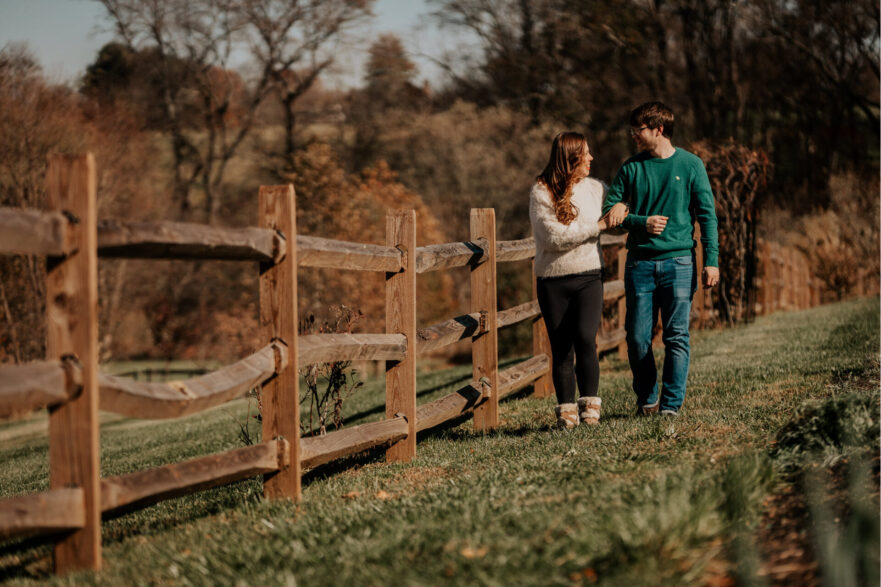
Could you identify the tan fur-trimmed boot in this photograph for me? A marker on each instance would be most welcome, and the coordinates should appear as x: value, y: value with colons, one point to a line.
x: 567, y: 415
x: 589, y: 410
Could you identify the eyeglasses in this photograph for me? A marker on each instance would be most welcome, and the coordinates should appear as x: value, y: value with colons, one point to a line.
x: 636, y: 131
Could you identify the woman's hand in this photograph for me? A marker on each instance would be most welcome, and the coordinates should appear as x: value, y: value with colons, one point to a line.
x: 617, y: 214
x: 604, y: 223
x: 655, y: 224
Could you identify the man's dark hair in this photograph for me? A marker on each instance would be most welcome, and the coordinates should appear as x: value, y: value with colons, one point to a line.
x: 653, y: 115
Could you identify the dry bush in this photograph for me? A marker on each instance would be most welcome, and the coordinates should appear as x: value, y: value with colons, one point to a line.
x: 738, y: 176
x: 842, y: 241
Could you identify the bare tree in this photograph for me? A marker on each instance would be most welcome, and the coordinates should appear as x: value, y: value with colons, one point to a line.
x: 195, y: 43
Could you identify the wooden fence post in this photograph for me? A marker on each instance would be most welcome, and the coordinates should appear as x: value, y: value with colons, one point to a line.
x: 622, y: 302
x: 541, y: 345
x: 767, y: 277
x: 400, y: 317
x: 278, y: 320
x: 484, y: 347
x: 72, y: 315
x: 778, y: 278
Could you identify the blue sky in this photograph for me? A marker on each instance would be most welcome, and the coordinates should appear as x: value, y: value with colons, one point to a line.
x: 65, y: 35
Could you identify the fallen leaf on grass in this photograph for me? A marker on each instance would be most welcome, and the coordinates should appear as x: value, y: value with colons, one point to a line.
x: 351, y: 495
x: 381, y: 494
x: 469, y: 552
x: 588, y: 575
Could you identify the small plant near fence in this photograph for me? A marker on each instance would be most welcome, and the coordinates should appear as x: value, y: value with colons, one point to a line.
x: 327, y: 385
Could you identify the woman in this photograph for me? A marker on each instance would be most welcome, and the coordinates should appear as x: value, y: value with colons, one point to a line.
x: 565, y: 211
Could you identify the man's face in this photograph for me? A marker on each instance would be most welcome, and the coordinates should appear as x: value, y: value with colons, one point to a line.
x: 645, y: 138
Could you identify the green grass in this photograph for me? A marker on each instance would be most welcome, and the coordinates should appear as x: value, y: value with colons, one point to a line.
x: 631, y: 501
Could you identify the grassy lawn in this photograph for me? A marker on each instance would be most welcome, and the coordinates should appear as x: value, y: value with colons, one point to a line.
x: 787, y: 406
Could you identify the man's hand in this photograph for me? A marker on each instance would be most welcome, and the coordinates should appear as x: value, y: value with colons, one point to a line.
x: 655, y: 224
x: 710, y: 276
x: 617, y: 214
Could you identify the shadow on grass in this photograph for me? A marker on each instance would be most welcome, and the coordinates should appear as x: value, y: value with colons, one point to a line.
x: 458, y: 382
x: 31, y: 558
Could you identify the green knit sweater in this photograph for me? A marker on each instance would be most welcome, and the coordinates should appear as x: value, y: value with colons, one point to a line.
x: 676, y: 187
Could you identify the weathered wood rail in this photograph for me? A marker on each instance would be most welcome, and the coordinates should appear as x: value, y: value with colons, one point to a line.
x: 69, y: 384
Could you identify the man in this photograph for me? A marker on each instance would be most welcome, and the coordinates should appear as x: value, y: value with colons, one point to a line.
x: 657, y: 195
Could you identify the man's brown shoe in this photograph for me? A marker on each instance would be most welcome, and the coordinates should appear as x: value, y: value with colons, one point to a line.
x: 650, y: 410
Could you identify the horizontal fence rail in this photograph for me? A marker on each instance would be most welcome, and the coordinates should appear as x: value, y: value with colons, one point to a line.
x: 318, y: 450
x: 313, y: 251
x: 50, y: 512
x: 449, y: 255
x: 184, y: 240
x: 327, y: 348
x: 173, y: 399
x: 450, y: 331
x: 124, y: 493
x: 33, y: 232
x: 40, y: 384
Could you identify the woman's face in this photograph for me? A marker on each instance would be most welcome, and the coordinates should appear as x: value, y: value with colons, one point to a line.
x: 586, y: 158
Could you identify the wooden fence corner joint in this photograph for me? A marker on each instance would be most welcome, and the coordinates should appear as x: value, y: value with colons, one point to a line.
x: 280, y: 350
x: 404, y: 257
x: 279, y: 247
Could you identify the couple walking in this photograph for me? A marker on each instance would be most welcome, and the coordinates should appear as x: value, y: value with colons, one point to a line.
x: 656, y: 196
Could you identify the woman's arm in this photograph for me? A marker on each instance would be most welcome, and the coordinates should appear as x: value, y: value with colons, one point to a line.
x: 555, y: 235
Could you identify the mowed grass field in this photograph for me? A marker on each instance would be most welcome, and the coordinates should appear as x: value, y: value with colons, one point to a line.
x: 769, y: 476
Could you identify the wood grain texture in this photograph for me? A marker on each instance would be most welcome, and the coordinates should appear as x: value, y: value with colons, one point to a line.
x: 541, y: 345
x: 400, y: 318
x: 447, y: 255
x: 124, y: 493
x: 607, y: 239
x: 610, y: 340
x: 318, y: 450
x: 278, y: 320
x: 517, y: 314
x: 173, y: 399
x: 41, y: 384
x: 185, y: 240
x: 33, y: 232
x: 519, y: 250
x: 613, y: 289
x: 463, y: 401
x: 454, y: 405
x: 484, y: 346
x: 447, y: 332
x: 522, y: 374
x: 314, y: 251
x: 327, y: 348
x: 72, y: 329
x: 49, y: 512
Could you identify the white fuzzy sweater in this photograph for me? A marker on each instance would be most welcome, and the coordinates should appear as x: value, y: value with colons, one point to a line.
x: 564, y: 249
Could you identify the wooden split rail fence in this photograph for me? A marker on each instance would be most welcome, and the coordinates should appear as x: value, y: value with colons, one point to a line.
x: 70, y: 385
x: 785, y: 281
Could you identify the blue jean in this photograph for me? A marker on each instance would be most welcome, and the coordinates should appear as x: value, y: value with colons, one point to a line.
x: 666, y: 285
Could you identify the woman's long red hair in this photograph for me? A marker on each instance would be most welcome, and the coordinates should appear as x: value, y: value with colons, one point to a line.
x: 563, y: 172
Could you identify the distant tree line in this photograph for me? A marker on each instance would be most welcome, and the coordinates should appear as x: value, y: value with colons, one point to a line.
x: 796, y: 78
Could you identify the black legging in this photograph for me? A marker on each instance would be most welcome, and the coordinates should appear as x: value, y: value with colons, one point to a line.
x: 572, y: 306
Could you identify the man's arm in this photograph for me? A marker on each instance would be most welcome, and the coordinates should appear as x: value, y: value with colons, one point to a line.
x: 705, y: 211
x: 618, y: 194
